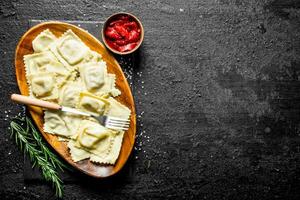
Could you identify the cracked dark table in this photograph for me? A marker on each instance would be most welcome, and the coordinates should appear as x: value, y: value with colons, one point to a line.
x: 217, y: 92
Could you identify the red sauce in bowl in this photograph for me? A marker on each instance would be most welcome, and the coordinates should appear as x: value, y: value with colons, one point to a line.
x: 122, y: 33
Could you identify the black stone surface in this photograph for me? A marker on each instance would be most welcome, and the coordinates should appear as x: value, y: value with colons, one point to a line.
x: 217, y: 86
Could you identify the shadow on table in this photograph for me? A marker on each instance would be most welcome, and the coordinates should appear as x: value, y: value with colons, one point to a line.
x: 32, y: 176
x: 125, y: 175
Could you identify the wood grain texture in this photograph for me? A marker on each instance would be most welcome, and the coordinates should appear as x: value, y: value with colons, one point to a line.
x: 58, y: 28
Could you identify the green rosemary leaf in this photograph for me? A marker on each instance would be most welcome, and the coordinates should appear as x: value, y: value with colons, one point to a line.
x: 48, y: 154
x: 30, y: 142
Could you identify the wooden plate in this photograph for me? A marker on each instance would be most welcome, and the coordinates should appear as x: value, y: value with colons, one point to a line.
x: 58, y: 28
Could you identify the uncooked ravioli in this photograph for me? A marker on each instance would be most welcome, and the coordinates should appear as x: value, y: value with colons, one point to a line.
x: 43, y: 41
x: 65, y: 71
x: 43, y: 86
x: 93, y: 104
x: 69, y: 94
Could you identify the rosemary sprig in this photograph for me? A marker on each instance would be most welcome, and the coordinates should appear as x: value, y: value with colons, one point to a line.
x: 30, y: 142
x: 46, y: 151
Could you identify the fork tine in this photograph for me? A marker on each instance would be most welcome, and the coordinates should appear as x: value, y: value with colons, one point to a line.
x: 117, y: 122
x: 118, y: 125
x: 118, y: 119
x: 118, y: 128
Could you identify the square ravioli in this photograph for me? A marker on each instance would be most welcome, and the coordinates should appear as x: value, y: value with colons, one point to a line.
x: 46, y: 62
x: 61, y: 123
x: 43, y: 86
x: 97, y: 80
x: 69, y: 94
x: 92, y: 139
x: 43, y: 41
x: 62, y: 74
x: 116, y: 109
x: 36, y: 62
x: 70, y: 50
x: 110, y: 86
x: 93, y: 104
x: 93, y: 75
x: 112, y: 156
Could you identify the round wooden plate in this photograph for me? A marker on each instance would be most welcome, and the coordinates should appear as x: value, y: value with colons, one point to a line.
x: 58, y: 28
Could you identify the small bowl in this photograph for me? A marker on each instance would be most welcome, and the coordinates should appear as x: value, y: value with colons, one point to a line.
x: 105, y: 26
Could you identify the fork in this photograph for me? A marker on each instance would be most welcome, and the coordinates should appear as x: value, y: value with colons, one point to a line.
x: 107, y: 121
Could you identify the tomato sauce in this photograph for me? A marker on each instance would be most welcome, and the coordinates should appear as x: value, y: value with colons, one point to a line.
x: 122, y: 33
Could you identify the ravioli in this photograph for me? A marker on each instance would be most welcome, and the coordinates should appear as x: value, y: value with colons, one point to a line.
x: 42, y: 85
x: 72, y: 122
x: 43, y: 41
x: 93, y: 56
x: 97, y: 80
x: 93, y: 138
x: 109, y: 86
x: 93, y: 75
x: 69, y: 94
x: 117, y: 109
x: 77, y: 154
x: 61, y: 123
x: 54, y: 123
x: 112, y: 156
x: 46, y: 62
x: 65, y: 71
x: 36, y: 62
x: 70, y: 50
x: 61, y: 72
x: 92, y: 104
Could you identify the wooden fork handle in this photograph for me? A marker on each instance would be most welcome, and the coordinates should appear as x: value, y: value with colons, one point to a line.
x: 34, y: 102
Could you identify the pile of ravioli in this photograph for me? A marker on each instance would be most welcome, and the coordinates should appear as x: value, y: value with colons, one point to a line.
x: 65, y: 71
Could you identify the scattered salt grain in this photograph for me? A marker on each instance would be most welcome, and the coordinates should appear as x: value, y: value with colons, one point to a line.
x: 132, y: 74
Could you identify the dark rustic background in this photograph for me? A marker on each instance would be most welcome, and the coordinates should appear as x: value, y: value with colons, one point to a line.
x: 217, y: 87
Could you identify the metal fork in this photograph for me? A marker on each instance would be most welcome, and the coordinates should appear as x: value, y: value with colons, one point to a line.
x: 107, y: 121
x: 113, y: 122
